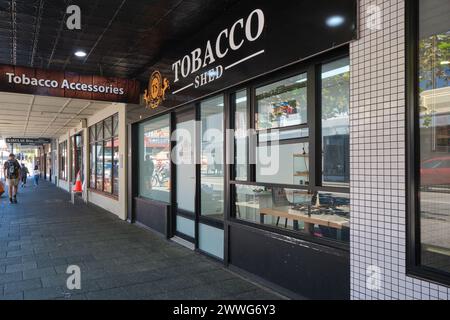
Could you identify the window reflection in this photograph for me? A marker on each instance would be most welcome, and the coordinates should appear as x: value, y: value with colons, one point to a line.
x: 434, y: 124
x: 241, y: 135
x: 154, y: 159
x: 283, y: 164
x: 282, y: 104
x: 322, y: 215
x: 212, y: 159
x: 336, y: 123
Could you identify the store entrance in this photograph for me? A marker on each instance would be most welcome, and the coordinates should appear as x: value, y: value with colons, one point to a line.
x: 185, y: 155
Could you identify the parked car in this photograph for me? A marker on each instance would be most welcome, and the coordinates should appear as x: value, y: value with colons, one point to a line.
x: 435, y: 171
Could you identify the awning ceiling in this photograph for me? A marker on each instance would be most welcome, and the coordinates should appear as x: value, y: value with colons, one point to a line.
x: 31, y: 116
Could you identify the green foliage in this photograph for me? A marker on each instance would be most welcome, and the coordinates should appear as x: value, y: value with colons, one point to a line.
x: 335, y: 96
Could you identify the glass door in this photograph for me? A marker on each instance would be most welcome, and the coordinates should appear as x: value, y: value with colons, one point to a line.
x: 184, y: 157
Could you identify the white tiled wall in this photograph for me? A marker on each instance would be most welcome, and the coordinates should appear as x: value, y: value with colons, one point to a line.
x: 378, y: 157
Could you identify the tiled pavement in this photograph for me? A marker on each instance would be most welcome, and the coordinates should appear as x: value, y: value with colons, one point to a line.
x: 44, y: 233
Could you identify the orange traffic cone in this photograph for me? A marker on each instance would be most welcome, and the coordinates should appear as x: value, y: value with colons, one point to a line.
x: 78, y: 187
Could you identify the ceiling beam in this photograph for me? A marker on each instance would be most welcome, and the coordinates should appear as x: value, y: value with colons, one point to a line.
x: 37, y: 28
x: 14, y: 32
x: 71, y: 119
x: 56, y: 116
x: 27, y: 121
x: 61, y: 26
x: 132, y: 49
x: 104, y: 31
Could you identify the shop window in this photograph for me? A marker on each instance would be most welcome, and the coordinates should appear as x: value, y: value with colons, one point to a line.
x: 282, y: 104
x: 429, y: 147
x: 103, y: 154
x: 212, y: 158
x: 99, y: 166
x: 241, y: 136
x: 336, y: 123
x: 286, y: 163
x: 77, y: 157
x: 320, y: 215
x: 154, y: 159
x: 288, y: 177
x: 63, y: 161
x: 115, y: 165
x: 92, y: 167
x: 108, y: 156
x: 281, y: 124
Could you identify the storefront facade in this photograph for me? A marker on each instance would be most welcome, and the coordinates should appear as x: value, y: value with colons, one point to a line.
x: 303, y: 145
x: 203, y: 169
x: 332, y: 221
x: 95, y: 151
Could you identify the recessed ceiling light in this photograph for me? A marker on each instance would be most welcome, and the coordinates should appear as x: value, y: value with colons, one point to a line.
x: 335, y: 21
x: 80, y: 54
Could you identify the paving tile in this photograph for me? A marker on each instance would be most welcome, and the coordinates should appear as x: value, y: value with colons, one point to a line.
x: 10, y: 277
x: 39, y: 273
x: 13, y: 296
x: 110, y: 294
x: 54, y: 281
x: 21, y: 267
x: 22, y: 285
x: 44, y: 293
x: 7, y: 261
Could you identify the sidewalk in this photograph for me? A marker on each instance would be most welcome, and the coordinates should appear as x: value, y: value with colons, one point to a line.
x: 44, y: 233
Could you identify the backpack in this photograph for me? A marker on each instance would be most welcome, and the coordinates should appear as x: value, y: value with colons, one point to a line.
x: 12, y: 168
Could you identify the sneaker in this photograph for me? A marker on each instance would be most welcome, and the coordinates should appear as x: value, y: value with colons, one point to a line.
x: 15, y: 200
x: 11, y: 200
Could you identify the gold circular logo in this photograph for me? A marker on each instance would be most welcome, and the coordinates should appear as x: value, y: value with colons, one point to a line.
x: 156, y: 90
x: 155, y: 84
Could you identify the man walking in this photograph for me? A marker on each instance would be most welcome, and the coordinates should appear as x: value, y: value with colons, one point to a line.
x: 24, y: 175
x: 12, y: 174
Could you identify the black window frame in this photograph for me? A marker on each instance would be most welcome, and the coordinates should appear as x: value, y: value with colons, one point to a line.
x: 63, y: 166
x: 75, y: 156
x: 413, y: 230
x: 100, y: 141
x: 171, y: 146
x: 313, y: 69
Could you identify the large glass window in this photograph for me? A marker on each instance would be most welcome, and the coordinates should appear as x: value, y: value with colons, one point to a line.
x: 212, y: 158
x: 104, y: 157
x: 63, y: 160
x: 282, y: 104
x: 108, y: 155
x: 154, y: 159
x: 285, y: 177
x: 336, y: 123
x: 92, y: 139
x: 241, y: 125
x: 321, y: 214
x: 433, y: 123
x: 77, y: 157
x: 115, y: 154
x: 286, y: 163
x: 282, y: 132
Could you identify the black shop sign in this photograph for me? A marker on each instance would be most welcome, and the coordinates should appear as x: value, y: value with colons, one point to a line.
x: 252, y: 39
